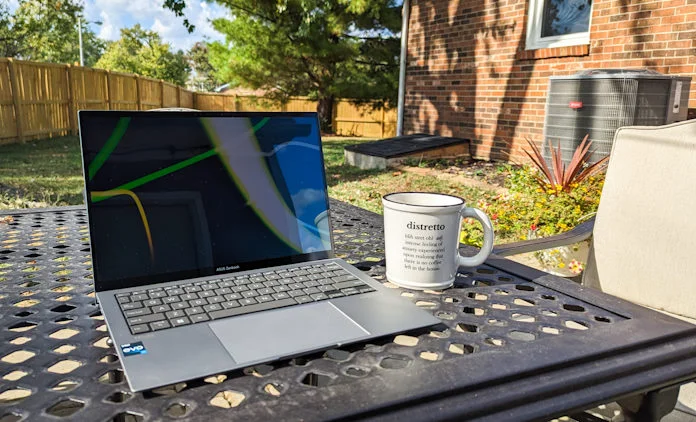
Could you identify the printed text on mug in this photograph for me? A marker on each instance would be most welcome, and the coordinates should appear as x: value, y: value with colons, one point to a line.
x: 423, y: 251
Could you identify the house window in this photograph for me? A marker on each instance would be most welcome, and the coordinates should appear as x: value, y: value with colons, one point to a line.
x: 558, y: 23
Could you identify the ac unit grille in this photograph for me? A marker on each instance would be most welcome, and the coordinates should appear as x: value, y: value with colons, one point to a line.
x: 608, y: 103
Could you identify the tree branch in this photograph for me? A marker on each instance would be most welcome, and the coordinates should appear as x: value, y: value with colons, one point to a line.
x: 251, y: 12
x: 310, y: 73
x: 305, y: 62
x: 374, y: 63
x: 357, y: 37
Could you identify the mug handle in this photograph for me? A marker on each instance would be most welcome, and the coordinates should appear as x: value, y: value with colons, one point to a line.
x: 479, y: 258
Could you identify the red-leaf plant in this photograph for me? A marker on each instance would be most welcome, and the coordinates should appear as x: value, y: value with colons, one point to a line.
x: 558, y: 174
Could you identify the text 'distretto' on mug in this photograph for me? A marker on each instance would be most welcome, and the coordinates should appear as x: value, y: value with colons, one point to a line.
x: 421, y: 236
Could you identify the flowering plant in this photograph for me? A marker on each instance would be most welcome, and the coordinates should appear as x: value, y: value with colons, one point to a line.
x: 529, y: 211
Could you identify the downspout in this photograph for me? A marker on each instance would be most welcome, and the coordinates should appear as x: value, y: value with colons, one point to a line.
x: 405, y: 16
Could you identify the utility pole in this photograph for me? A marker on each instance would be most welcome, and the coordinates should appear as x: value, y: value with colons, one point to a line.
x: 401, y: 99
x: 79, y: 34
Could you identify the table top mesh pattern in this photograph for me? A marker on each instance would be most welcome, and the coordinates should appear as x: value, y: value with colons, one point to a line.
x: 56, y: 360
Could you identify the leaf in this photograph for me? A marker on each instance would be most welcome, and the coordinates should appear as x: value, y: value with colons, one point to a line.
x: 558, y: 166
x: 539, y: 162
x: 576, y: 163
x: 558, y: 174
x: 593, y: 169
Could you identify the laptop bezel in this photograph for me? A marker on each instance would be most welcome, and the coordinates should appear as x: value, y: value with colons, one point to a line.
x: 150, y: 280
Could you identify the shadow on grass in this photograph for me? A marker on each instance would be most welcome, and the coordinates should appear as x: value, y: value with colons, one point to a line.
x: 336, y: 171
x: 49, y: 172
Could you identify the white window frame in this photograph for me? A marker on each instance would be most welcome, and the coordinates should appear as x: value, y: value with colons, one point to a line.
x: 535, y: 41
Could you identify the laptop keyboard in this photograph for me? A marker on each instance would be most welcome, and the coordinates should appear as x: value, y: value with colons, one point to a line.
x: 190, y: 303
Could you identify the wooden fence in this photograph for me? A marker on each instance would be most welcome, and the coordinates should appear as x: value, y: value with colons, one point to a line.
x: 41, y: 100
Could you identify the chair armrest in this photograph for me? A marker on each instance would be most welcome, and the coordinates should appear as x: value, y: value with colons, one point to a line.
x: 581, y: 232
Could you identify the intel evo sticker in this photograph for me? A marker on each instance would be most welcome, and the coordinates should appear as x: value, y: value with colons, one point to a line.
x: 133, y: 349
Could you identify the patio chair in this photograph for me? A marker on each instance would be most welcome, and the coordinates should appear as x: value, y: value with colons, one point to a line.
x: 643, y: 237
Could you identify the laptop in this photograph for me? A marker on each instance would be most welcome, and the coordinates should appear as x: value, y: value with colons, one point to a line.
x: 211, y: 244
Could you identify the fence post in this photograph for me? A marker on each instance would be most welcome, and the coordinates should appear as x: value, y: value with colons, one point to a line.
x: 178, y: 96
x: 72, y: 102
x: 161, y: 93
x: 15, y: 100
x: 138, y: 100
x: 194, y: 100
x: 109, y: 106
x: 235, y: 103
x: 382, y: 124
x: 334, y: 116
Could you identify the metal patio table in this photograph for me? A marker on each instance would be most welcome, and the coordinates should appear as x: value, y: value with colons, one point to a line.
x: 514, y: 344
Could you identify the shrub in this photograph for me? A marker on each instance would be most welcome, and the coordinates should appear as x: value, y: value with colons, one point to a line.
x: 529, y: 210
x: 543, y: 200
x: 560, y: 176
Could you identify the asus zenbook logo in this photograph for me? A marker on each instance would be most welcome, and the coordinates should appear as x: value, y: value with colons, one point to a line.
x: 227, y: 268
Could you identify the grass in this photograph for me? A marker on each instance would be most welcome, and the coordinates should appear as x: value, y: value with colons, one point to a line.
x: 49, y: 173
x: 41, y: 173
x: 364, y: 188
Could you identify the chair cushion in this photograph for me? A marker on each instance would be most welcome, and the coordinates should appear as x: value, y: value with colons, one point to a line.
x: 644, y: 237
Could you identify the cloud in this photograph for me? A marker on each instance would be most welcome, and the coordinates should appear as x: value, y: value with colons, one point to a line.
x: 118, y: 14
x: 306, y: 197
x: 106, y: 30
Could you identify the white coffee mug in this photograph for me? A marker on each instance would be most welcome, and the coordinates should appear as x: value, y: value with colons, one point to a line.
x: 421, y: 237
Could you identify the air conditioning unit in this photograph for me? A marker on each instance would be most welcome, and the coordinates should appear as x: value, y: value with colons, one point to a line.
x: 599, y: 101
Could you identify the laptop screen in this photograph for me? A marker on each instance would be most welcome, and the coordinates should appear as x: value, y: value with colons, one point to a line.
x: 175, y: 195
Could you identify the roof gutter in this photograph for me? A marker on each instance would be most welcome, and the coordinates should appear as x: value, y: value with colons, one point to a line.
x: 405, y: 16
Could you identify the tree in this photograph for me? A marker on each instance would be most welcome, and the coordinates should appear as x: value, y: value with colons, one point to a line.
x: 7, y: 42
x: 204, y: 78
x: 47, y: 31
x: 322, y: 48
x: 141, y: 51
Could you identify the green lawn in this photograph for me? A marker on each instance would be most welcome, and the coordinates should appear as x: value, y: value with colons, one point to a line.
x: 41, y: 173
x: 364, y: 188
x: 49, y: 173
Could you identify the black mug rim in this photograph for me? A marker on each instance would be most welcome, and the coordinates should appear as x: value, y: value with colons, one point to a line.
x: 386, y: 198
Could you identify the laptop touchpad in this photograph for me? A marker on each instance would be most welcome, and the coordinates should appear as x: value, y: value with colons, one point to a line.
x: 284, y: 332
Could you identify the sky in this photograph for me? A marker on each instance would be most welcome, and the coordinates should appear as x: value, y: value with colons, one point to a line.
x: 117, y: 14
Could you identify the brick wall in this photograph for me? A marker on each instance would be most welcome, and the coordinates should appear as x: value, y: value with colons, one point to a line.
x: 470, y: 76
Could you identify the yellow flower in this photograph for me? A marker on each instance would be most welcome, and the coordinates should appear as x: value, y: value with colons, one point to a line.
x: 561, y: 265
